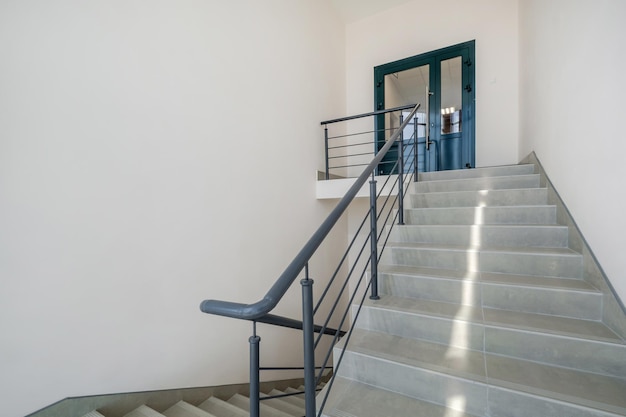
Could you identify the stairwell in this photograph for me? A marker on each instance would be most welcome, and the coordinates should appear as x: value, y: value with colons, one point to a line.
x: 483, y: 311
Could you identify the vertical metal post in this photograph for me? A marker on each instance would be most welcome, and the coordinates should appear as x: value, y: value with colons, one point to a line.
x: 415, y: 161
x: 401, y: 174
x: 309, y: 343
x: 326, y: 149
x: 254, y: 372
x: 373, y: 240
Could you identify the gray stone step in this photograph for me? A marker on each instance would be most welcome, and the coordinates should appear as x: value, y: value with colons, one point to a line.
x: 143, y: 411
x: 557, y: 296
x: 439, y: 373
x: 475, y: 184
x: 350, y: 398
x: 482, y: 198
x: 93, y: 414
x: 497, y: 171
x: 548, y: 262
x: 222, y: 408
x: 266, y: 410
x: 297, y: 400
x: 184, y: 409
x: 551, y: 236
x: 538, y: 214
x: 589, y: 345
x: 282, y: 405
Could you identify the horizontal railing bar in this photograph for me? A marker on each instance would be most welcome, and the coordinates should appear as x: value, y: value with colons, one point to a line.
x: 286, y: 394
x: 373, y: 113
x: 281, y: 321
x: 352, y: 154
x: 362, y: 133
x: 284, y: 368
x: 352, y: 144
x: 281, y: 285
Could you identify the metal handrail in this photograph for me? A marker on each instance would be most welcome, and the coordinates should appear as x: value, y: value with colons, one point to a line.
x: 262, y: 307
x: 373, y: 113
x: 259, y: 312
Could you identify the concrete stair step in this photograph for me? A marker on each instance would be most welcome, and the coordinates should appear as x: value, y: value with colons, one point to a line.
x: 222, y: 408
x: 589, y: 346
x: 485, y: 215
x: 297, y: 400
x: 282, y: 405
x: 476, y: 184
x: 93, y: 414
x: 352, y: 398
x: 266, y: 410
x: 437, y: 372
x: 482, y: 235
x: 496, y: 171
x: 480, y: 198
x: 184, y: 409
x: 143, y: 411
x: 548, y: 262
x: 557, y: 296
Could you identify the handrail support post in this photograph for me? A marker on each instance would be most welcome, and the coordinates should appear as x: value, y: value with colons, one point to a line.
x: 415, y: 159
x: 401, y: 175
x: 373, y: 240
x: 309, y: 344
x: 255, y: 384
x: 326, y: 151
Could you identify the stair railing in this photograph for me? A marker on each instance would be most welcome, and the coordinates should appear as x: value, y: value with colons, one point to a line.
x: 349, y: 281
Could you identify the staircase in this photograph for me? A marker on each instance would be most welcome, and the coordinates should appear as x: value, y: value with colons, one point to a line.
x: 236, y: 405
x: 483, y: 311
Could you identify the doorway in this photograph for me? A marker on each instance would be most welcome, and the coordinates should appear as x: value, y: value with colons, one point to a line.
x: 443, y: 82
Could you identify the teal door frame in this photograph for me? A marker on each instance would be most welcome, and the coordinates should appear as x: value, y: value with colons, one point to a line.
x: 446, y: 151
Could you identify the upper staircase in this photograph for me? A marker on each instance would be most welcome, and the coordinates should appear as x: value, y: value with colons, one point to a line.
x: 483, y: 311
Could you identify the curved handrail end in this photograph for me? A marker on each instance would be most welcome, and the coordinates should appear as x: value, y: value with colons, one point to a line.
x: 236, y: 310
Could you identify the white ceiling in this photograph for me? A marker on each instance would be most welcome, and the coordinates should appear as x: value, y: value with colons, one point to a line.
x: 353, y: 10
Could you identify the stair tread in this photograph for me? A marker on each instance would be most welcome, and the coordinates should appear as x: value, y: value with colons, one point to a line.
x: 222, y: 408
x: 266, y: 410
x: 184, y: 409
x: 93, y: 413
x: 568, y: 284
x: 570, y: 327
x: 479, y: 179
x: 501, y: 190
x: 479, y: 172
x: 533, y: 250
x: 292, y: 399
x: 144, y: 411
x: 582, y: 388
x: 350, y: 398
x: 282, y: 405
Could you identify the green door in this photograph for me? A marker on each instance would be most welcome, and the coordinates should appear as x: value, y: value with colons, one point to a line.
x: 443, y: 82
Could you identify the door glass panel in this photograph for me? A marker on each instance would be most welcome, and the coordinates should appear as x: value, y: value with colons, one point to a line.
x: 451, y: 95
x: 405, y: 88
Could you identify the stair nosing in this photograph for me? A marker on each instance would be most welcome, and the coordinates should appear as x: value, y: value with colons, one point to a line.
x: 494, y: 324
x: 528, y: 250
x: 489, y: 381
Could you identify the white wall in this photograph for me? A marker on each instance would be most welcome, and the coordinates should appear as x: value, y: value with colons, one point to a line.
x: 572, y: 99
x: 421, y: 26
x: 130, y: 188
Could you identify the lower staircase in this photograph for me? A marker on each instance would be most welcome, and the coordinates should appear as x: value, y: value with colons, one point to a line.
x: 289, y: 403
x: 483, y: 311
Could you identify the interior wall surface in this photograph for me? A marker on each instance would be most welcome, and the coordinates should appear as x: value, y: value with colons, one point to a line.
x: 152, y: 155
x: 421, y: 26
x: 572, y: 94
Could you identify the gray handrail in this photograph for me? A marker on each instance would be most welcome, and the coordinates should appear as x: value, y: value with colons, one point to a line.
x: 372, y: 113
x: 277, y: 291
